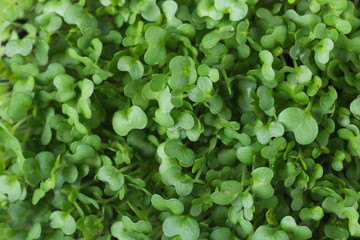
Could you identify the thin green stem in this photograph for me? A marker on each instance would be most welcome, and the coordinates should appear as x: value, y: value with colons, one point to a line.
x: 348, y: 184
x: 79, y: 209
x: 18, y: 124
x: 15, y: 24
x: 283, y: 60
x: 308, y: 107
x: 200, y: 171
x: 128, y: 167
x: 295, y: 64
x: 243, y: 175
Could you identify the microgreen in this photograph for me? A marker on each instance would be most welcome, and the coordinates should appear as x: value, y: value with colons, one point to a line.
x: 185, y: 227
x: 179, y: 120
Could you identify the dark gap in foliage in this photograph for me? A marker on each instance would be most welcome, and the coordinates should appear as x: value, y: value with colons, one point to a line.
x: 22, y: 33
x: 356, y: 3
x: 288, y: 60
x: 21, y: 20
x: 345, y: 98
x: 326, y: 217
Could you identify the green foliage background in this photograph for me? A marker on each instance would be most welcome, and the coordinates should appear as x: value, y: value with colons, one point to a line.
x: 179, y: 119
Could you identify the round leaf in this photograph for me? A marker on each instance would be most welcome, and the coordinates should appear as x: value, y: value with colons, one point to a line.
x: 186, y: 227
x: 112, y: 176
x: 131, y: 118
x: 301, y: 123
x: 64, y: 221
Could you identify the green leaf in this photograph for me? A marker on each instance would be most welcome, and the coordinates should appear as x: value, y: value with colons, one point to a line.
x: 73, y: 14
x: 87, y: 88
x: 65, y: 85
x: 156, y: 52
x: 150, y: 11
x: 229, y: 190
x: 90, y: 226
x: 315, y: 213
x: 131, y: 65
x: 10, y: 11
x: 323, y: 50
x: 221, y: 233
x: 22, y: 47
x: 131, y: 118
x: 19, y: 105
x: 64, y: 221
x: 126, y: 229
x: 267, y: 233
x: 237, y: 10
x: 141, y: 226
x: 262, y: 177
x: 173, y: 205
x: 49, y: 21
x: 266, y: 70
x: 301, y: 75
x: 10, y: 186
x: 186, y: 227
x: 355, y: 108
x: 245, y: 154
x: 301, y: 123
x: 111, y: 176
x: 183, y: 72
x: 35, y: 231
x: 32, y: 174
x: 175, y: 149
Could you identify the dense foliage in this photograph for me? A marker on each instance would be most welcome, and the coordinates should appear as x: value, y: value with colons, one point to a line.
x: 184, y: 120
